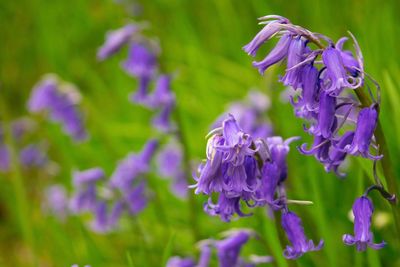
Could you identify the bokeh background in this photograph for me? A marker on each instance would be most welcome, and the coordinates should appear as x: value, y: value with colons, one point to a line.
x: 201, y: 43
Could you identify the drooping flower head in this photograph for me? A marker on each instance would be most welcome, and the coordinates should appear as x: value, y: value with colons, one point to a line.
x: 324, y: 75
x: 60, y: 101
x: 293, y: 227
x: 363, y: 237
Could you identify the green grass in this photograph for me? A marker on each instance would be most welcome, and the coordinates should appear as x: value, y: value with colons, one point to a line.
x: 201, y: 43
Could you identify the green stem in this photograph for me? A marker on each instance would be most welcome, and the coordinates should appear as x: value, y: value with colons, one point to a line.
x: 188, y: 174
x: 385, y: 161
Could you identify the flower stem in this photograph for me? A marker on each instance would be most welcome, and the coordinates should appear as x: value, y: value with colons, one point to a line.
x: 385, y: 161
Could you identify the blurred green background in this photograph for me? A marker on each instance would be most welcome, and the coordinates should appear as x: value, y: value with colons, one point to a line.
x: 201, y: 43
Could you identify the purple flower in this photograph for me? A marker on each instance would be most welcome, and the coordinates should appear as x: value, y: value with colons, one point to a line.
x: 105, y: 220
x: 336, y: 72
x: 162, y: 120
x: 115, y: 40
x: 362, y: 210
x: 169, y: 163
x: 320, y: 148
x: 326, y: 116
x: 279, y: 150
x: 270, y: 177
x: 210, y: 172
x: 225, y: 208
x: 366, y: 124
x: 141, y: 61
x: 141, y: 96
x: 337, y: 155
x: 236, y: 143
x: 205, y: 256
x: 133, y: 165
x: 135, y: 197
x: 309, y: 96
x: 162, y: 95
x: 228, y: 250
x: 180, y: 262
x: 293, y: 227
x: 4, y: 158
x: 278, y: 53
x: 264, y: 35
x: 56, y: 201
x: 85, y: 197
x: 60, y: 102
x: 351, y: 64
x: 296, y: 55
x: 32, y: 156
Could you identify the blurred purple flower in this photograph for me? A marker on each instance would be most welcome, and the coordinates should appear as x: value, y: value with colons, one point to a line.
x: 169, y: 164
x: 180, y: 262
x: 85, y: 196
x: 141, y: 61
x: 56, y: 201
x: 228, y: 250
x: 133, y: 165
x: 115, y: 40
x: 32, y: 156
x: 61, y: 105
x: 4, y: 158
x: 363, y: 237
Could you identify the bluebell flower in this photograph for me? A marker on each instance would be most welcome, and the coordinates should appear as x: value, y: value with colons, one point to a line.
x: 133, y: 166
x: 336, y: 154
x: 56, y: 201
x: 162, y: 121
x: 293, y: 227
x: 32, y: 156
x: 320, y: 148
x: 277, y: 54
x: 141, y: 61
x: 366, y: 124
x: 228, y: 250
x: 85, y: 197
x: 336, y: 73
x: 279, y: 149
x: 225, y: 208
x: 351, y: 64
x: 270, y: 177
x: 326, y: 116
x: 362, y: 210
x: 115, y: 40
x: 60, y: 101
x: 169, y: 163
x: 296, y: 54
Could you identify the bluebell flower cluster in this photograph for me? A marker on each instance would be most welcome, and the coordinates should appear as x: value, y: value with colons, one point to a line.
x: 60, y: 101
x: 228, y: 252
x: 124, y: 192
x: 142, y: 64
x: 241, y: 170
x: 325, y: 77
